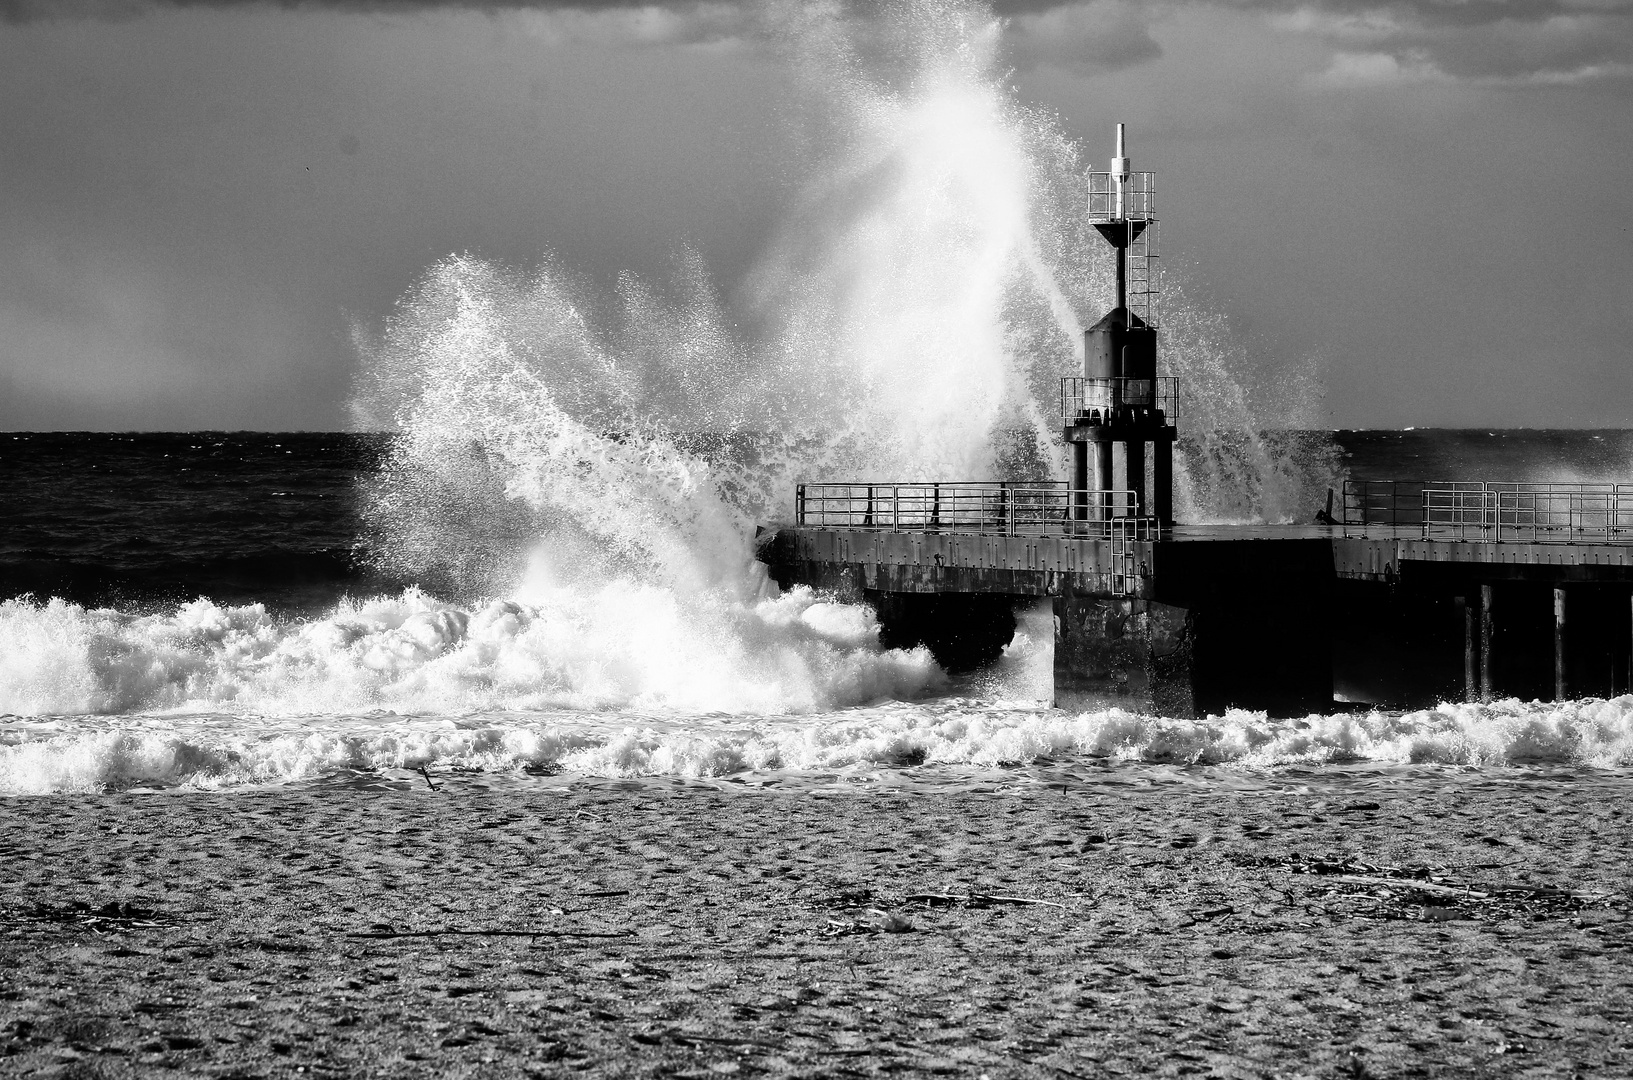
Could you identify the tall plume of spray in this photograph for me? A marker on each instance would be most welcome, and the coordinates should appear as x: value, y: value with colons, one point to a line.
x: 908, y: 278
x: 1249, y: 451
x: 898, y: 326
x: 909, y: 321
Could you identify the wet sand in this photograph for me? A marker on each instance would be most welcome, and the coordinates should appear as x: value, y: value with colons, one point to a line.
x: 649, y: 931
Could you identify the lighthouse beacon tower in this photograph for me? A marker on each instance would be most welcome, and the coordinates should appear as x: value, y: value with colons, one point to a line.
x: 1120, y: 401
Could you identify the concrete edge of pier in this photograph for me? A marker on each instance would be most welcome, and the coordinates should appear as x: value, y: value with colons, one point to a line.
x: 1288, y: 621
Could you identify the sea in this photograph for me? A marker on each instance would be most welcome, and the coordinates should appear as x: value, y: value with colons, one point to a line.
x: 234, y: 610
x: 545, y: 574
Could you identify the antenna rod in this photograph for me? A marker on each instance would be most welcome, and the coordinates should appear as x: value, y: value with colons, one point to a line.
x: 1119, y: 176
x: 1119, y: 170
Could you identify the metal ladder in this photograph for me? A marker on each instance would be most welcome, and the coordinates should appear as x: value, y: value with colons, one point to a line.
x: 1125, y: 557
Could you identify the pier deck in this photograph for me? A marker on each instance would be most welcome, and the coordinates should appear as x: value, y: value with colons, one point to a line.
x: 1194, y: 619
x: 1042, y: 565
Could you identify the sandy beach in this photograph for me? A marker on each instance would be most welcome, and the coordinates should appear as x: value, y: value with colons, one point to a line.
x: 1469, y: 925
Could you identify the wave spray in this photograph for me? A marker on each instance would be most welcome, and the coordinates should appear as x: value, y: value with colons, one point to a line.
x: 576, y: 477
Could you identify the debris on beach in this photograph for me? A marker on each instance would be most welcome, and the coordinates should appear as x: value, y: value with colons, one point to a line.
x: 113, y: 915
x: 874, y: 921
x: 977, y: 900
x: 1430, y: 894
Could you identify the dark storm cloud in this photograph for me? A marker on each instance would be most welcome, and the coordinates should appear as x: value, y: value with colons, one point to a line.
x: 1096, y: 35
x: 1480, y: 41
x: 1396, y: 41
x: 1104, y: 35
x: 19, y: 11
x: 1494, y: 42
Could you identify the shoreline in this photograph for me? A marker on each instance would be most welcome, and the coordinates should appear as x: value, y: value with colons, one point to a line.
x: 688, y: 931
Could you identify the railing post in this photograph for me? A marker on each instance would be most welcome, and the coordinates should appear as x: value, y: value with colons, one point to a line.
x: 896, y: 508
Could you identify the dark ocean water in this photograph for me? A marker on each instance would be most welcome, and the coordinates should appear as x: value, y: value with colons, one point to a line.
x: 142, y: 520
x: 133, y: 520
x: 218, y: 624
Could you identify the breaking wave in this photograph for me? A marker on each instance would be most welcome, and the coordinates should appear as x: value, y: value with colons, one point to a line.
x: 624, y: 645
x: 899, y: 740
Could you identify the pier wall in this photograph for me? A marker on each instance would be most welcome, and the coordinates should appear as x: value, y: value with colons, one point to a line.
x: 1119, y: 651
x: 1289, y: 624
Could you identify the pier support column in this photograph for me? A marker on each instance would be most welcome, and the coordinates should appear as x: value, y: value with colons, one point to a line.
x: 1485, y: 642
x: 1465, y: 615
x: 1134, y: 458
x: 1080, y: 480
x: 1559, y: 643
x: 1162, y: 481
x: 1100, y: 460
x: 1132, y: 653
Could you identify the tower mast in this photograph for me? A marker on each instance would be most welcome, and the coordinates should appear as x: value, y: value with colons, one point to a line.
x: 1119, y: 399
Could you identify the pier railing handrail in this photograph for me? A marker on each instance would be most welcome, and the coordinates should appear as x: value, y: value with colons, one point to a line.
x: 1493, y: 511
x: 1097, y: 400
x: 1003, y: 508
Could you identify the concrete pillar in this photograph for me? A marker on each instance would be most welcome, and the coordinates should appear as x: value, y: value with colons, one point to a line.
x: 1465, y: 616
x: 1131, y: 653
x: 1080, y: 480
x: 1485, y: 642
x: 1162, y: 481
x: 1100, y: 459
x: 1134, y: 455
x: 1559, y: 643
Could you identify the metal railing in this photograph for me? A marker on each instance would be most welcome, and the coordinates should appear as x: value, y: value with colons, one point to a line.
x: 1139, y: 196
x: 1031, y: 508
x: 1139, y: 204
x: 1391, y: 503
x: 1097, y: 401
x: 1493, y: 512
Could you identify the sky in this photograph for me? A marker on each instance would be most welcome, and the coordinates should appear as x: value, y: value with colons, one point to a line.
x: 1429, y: 200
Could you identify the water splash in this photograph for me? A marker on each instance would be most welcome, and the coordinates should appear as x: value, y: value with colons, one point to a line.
x: 556, y: 444
x: 905, y: 745
x: 576, y: 476
x: 1250, y: 450
x: 618, y: 645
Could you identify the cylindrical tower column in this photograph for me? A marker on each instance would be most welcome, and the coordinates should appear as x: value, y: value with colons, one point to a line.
x: 1134, y: 459
x: 1162, y: 481
x: 1100, y: 452
x: 1122, y: 268
x: 1081, y: 481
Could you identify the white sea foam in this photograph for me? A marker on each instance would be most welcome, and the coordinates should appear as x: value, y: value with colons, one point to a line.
x: 908, y: 740
x: 623, y: 645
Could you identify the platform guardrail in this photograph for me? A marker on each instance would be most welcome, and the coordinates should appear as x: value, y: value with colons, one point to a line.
x: 1096, y: 400
x: 1493, y: 512
x: 987, y: 508
x: 1051, y: 509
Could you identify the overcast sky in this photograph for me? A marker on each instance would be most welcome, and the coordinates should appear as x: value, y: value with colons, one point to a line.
x: 196, y: 199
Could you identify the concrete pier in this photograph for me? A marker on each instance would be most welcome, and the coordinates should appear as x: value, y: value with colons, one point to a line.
x: 1373, y: 606
x: 1289, y: 620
